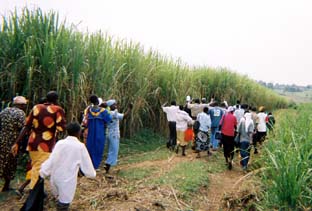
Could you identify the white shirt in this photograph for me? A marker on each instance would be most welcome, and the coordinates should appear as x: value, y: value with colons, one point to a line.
x: 205, y: 121
x: 171, y: 112
x: 182, y: 119
x: 239, y: 114
x: 63, y: 165
x: 261, y: 127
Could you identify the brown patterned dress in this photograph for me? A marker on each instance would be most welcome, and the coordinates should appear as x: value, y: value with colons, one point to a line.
x: 12, y: 121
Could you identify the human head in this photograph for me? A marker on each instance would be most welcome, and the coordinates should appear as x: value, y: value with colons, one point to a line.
x: 197, y: 100
x: 42, y: 100
x: 230, y: 109
x: 73, y: 129
x: 181, y: 107
x: 261, y: 109
x: 20, y: 102
x: 206, y: 109
x: 112, y: 104
x: 94, y: 99
x: 173, y: 103
x: 204, y: 100
x: 188, y: 99
x: 52, y: 97
x: 223, y: 105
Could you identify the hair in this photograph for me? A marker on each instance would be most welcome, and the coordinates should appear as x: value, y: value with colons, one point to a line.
x: 73, y: 128
x: 42, y: 100
x: 173, y: 102
x: 254, y: 109
x: 270, y: 113
x: 244, y: 106
x: 238, y: 102
x: 223, y: 105
x: 197, y: 100
x: 206, y: 109
x: 181, y: 107
x: 52, y: 97
x: 94, y: 99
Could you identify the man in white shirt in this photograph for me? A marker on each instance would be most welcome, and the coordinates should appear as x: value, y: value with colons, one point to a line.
x: 261, y: 127
x: 171, y: 112
x: 183, y: 119
x: 68, y: 156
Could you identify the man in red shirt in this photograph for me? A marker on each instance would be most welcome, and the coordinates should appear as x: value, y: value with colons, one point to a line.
x: 228, y: 125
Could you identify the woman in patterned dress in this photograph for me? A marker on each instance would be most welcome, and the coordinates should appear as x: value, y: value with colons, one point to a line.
x: 12, y: 120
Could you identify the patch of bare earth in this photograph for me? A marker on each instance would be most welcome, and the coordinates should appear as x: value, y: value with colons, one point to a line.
x: 111, y: 192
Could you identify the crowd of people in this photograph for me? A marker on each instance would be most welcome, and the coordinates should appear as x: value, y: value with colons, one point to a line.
x: 52, y: 155
x: 208, y: 126
x: 234, y: 128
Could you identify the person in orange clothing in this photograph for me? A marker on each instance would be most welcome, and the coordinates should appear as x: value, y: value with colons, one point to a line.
x: 44, y: 122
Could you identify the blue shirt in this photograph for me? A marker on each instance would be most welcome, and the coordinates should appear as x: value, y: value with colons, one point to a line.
x: 215, y: 116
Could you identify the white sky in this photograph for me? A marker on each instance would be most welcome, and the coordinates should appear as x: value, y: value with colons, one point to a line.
x: 269, y: 40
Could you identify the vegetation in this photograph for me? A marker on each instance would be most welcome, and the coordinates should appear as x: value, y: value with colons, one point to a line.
x: 287, y: 178
x: 39, y: 53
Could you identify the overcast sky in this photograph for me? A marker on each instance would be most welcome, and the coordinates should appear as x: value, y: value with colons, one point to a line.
x: 268, y: 40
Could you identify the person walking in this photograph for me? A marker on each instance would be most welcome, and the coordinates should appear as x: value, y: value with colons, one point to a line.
x: 202, y: 137
x: 215, y: 114
x: 68, y: 156
x: 96, y: 118
x: 228, y: 125
x: 183, y: 119
x: 245, y: 132
x: 261, y: 128
x: 44, y: 122
x: 114, y: 133
x: 12, y: 120
x: 171, y: 112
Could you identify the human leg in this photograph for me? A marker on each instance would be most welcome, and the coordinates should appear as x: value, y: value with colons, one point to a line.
x: 37, y: 158
x: 244, y: 151
x: 213, y: 139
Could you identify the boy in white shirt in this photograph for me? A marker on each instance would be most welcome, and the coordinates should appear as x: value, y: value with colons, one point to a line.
x: 68, y: 156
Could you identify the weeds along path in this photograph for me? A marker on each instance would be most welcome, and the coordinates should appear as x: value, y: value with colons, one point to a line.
x: 147, y: 185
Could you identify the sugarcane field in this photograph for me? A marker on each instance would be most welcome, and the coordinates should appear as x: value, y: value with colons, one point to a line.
x: 98, y: 119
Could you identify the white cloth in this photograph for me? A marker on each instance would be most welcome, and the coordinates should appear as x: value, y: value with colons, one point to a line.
x: 204, y: 120
x: 171, y: 112
x: 248, y: 121
x: 63, y: 165
x: 182, y: 120
x: 239, y: 114
x: 261, y: 127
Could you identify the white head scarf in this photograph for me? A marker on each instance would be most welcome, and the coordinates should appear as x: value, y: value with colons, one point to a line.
x: 248, y: 121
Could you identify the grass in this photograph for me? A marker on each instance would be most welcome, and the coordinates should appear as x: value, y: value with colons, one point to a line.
x: 186, y: 177
x: 39, y: 53
x: 134, y: 174
x: 287, y: 178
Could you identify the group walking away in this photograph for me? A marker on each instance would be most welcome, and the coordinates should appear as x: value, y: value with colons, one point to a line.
x: 214, y: 125
x: 54, y: 147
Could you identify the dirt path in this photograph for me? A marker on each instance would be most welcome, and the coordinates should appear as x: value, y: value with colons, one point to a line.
x: 113, y: 192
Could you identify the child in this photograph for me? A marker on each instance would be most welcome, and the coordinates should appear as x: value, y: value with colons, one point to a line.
x: 68, y: 156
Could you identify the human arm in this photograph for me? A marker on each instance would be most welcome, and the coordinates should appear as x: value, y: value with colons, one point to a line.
x: 19, y: 139
x: 86, y: 165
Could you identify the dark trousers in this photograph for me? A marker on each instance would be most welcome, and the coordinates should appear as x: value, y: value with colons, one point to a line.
x: 62, y: 206
x: 245, y: 152
x: 228, y: 146
x: 172, y: 135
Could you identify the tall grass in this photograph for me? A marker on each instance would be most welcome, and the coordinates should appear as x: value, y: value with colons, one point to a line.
x: 39, y: 53
x: 288, y: 160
